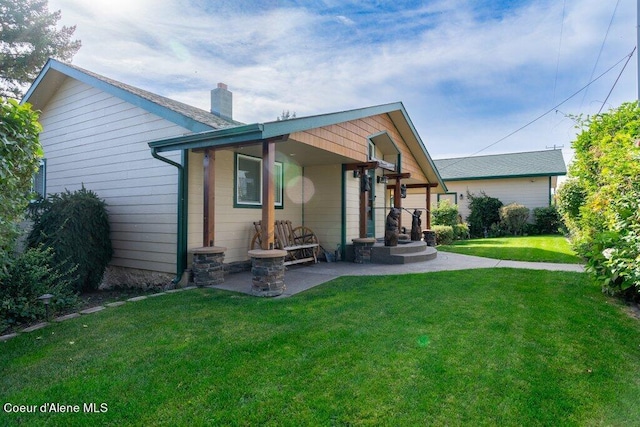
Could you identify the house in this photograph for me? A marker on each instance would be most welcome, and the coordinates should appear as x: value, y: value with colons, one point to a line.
x: 176, y: 177
x: 527, y: 178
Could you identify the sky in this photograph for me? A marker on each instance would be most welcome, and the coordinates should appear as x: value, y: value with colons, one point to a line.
x: 472, y: 75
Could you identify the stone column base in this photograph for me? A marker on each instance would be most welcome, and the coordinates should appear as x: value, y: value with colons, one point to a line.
x: 362, y: 250
x: 208, y: 265
x: 429, y: 237
x: 267, y: 269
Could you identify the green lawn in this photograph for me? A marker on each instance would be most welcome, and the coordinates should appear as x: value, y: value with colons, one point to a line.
x: 530, y: 248
x: 474, y: 347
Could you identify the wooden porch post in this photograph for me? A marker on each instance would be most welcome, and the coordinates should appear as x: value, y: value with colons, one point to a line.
x: 428, y: 207
x: 208, y: 228
x: 268, y: 194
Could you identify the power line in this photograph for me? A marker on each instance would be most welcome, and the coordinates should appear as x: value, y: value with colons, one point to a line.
x: 555, y: 81
x: 554, y: 108
x: 616, y: 82
x: 601, y: 49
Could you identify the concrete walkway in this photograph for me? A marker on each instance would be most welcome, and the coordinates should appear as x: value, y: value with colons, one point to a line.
x: 299, y: 278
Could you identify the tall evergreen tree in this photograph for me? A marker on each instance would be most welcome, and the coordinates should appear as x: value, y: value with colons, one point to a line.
x: 28, y: 37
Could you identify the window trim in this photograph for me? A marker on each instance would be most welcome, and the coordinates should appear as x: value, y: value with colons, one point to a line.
x: 278, y: 181
x: 41, y: 169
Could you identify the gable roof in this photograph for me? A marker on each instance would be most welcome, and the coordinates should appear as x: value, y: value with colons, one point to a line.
x: 253, y: 133
x: 511, y: 165
x: 55, y: 72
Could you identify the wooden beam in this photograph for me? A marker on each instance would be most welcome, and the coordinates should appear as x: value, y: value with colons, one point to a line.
x: 422, y: 185
x: 208, y: 228
x: 268, y: 194
x: 364, y: 165
x: 399, y: 176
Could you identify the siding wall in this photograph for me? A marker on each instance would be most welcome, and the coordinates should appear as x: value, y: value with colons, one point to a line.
x: 92, y: 138
x: 323, y: 207
x: 530, y: 192
x: 350, y: 140
x: 234, y: 226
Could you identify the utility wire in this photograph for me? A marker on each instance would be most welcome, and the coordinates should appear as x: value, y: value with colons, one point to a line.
x: 616, y: 82
x: 601, y: 49
x: 555, y: 81
x: 554, y: 108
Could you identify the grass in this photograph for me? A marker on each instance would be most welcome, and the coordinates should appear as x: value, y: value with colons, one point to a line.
x: 474, y: 347
x: 555, y: 249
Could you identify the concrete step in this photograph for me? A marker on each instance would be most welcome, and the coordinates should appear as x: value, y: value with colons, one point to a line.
x: 403, y: 253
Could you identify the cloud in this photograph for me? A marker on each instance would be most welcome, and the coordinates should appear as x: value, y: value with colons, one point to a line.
x: 468, y: 74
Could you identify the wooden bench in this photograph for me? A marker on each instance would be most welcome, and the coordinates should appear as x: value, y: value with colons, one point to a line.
x: 300, y: 243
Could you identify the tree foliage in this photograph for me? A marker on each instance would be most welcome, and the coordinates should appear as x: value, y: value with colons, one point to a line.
x: 601, y: 208
x: 485, y: 212
x: 20, y: 154
x: 28, y: 37
x: 446, y: 213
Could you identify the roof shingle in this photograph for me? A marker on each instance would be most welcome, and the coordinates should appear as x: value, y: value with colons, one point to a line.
x: 533, y: 163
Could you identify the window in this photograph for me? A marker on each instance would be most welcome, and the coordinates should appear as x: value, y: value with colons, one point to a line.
x: 248, y: 190
x: 38, y: 185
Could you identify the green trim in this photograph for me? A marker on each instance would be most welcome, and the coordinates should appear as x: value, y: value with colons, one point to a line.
x: 181, y: 242
x: 476, y: 178
x: 119, y: 92
x: 183, y: 220
x: 343, y: 232
x: 448, y: 194
x: 239, y: 205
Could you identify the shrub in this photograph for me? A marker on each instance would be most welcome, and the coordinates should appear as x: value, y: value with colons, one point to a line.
x: 29, y: 276
x: 571, y: 197
x: 548, y: 220
x: 484, y: 213
x: 460, y: 232
x: 444, y: 234
x: 76, y: 226
x: 20, y: 154
x: 446, y: 213
x: 513, y: 218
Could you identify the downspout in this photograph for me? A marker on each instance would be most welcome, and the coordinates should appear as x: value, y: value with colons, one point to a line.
x: 181, y: 249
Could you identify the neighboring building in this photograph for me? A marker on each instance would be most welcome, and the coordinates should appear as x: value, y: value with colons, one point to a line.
x: 528, y: 178
x: 177, y: 177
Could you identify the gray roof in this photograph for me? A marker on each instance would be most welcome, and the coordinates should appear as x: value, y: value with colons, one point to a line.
x: 190, y: 117
x: 533, y: 163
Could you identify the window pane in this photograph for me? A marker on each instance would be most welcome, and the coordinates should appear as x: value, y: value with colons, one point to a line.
x: 249, y: 180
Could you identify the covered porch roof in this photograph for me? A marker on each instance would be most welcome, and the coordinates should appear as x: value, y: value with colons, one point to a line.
x: 248, y: 138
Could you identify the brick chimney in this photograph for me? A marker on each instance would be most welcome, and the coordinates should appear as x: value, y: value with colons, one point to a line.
x: 222, y: 102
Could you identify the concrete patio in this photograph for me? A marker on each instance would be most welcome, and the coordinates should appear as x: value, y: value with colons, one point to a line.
x: 299, y: 278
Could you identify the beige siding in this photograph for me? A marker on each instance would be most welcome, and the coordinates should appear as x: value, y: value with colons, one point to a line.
x: 352, y: 196
x: 530, y: 192
x: 323, y: 210
x: 233, y: 225
x: 98, y: 140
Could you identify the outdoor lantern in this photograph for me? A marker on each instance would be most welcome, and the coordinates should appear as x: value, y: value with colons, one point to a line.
x: 46, y: 299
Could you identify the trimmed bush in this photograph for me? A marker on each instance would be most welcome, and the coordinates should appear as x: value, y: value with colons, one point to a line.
x: 446, y: 213
x: 32, y: 274
x: 548, y: 220
x: 513, y: 218
x: 485, y: 212
x: 76, y: 226
x: 460, y: 232
x: 444, y: 234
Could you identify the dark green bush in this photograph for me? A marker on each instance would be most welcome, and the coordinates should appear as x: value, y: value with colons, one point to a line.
x: 513, y: 218
x: 485, y: 211
x: 446, y: 213
x: 444, y: 234
x: 548, y: 220
x: 76, y: 226
x: 30, y: 275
